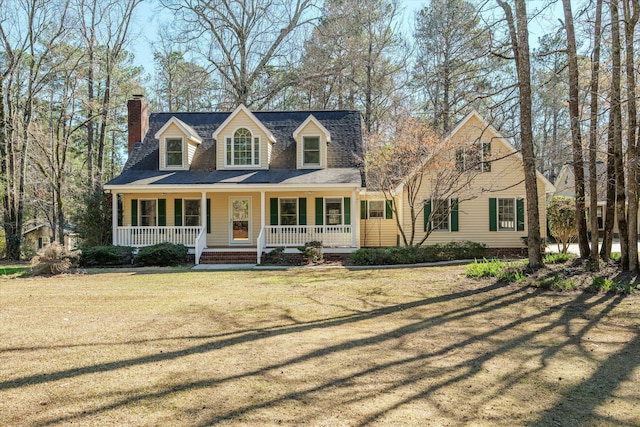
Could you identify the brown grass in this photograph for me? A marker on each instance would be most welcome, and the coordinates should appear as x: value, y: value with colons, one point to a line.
x: 313, y: 347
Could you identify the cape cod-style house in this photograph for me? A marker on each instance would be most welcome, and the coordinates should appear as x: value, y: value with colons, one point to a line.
x: 232, y: 185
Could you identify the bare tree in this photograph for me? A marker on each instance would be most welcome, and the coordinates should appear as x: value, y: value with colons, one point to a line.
x: 241, y: 39
x: 105, y: 30
x: 434, y: 173
x: 519, y: 35
x: 29, y: 31
x: 576, y: 136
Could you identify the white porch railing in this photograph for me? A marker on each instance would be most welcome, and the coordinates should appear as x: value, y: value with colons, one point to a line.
x: 260, y: 243
x: 201, y: 243
x: 147, y: 236
x: 298, y: 235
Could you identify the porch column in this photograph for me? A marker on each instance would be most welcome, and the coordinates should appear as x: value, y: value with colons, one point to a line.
x: 203, y: 210
x: 114, y: 217
x: 262, y: 210
x: 355, y: 220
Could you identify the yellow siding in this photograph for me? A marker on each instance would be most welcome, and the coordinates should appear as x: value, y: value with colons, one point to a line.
x: 242, y: 120
x: 506, y: 180
x: 220, y: 210
x: 311, y: 129
x: 174, y: 131
x: 377, y: 232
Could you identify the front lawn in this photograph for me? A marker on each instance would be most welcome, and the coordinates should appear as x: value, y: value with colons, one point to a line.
x: 424, y: 346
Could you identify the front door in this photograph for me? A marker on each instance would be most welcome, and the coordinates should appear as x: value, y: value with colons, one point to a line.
x: 240, y: 223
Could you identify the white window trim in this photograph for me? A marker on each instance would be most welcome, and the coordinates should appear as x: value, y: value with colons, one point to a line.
x: 311, y: 165
x: 324, y: 213
x: 184, y: 211
x: 384, y: 207
x: 166, y: 153
x: 140, y: 212
x: 441, y: 230
x: 280, y: 210
x: 515, y: 214
x: 253, y: 154
x: 482, y: 159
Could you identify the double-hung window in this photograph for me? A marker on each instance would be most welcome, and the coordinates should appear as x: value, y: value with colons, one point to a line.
x: 192, y: 212
x: 288, y: 211
x: 311, y: 151
x: 376, y: 208
x: 243, y: 149
x: 148, y: 213
x: 333, y: 211
x: 506, y: 215
x: 440, y: 215
x: 174, y: 156
x: 474, y: 157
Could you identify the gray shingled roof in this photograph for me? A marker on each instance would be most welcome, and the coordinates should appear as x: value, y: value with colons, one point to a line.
x: 344, y: 153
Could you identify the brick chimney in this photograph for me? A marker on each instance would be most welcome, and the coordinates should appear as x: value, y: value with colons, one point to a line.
x: 138, y: 122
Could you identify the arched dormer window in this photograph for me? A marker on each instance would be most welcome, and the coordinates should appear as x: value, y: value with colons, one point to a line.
x: 243, y: 149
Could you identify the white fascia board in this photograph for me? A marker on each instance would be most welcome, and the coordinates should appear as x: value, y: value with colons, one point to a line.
x: 191, y: 134
x: 315, y: 121
x: 241, y: 107
x: 150, y: 188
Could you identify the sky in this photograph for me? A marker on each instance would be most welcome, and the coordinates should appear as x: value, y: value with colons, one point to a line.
x: 149, y: 17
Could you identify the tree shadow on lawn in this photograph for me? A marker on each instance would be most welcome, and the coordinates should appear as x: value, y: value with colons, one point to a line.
x: 496, y: 297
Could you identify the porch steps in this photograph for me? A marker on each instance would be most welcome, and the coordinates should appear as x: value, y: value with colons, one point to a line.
x: 211, y: 257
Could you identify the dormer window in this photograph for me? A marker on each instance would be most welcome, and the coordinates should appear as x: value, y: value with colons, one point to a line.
x: 243, y: 149
x: 311, y: 150
x: 173, y: 152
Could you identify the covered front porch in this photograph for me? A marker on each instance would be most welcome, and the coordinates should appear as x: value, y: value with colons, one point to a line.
x: 242, y: 222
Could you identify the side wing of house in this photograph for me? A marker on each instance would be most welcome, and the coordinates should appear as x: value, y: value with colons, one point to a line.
x: 491, y: 206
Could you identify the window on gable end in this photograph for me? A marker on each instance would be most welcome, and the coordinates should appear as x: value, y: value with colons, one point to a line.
x: 243, y: 149
x: 311, y: 150
x: 173, y: 148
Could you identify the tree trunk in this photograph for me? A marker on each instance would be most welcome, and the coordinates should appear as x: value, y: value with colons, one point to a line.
x: 593, y: 179
x: 631, y: 9
x: 616, y: 117
x: 518, y: 30
x: 574, y: 115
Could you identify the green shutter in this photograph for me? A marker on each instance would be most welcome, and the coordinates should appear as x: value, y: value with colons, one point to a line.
x: 177, y: 204
x: 454, y: 215
x: 302, y: 211
x: 208, y: 216
x: 162, y: 212
x: 319, y: 211
x: 347, y: 210
x: 273, y: 211
x: 134, y: 212
x: 120, y: 214
x: 427, y: 214
x: 486, y: 154
x: 520, y: 214
x: 363, y: 209
x: 493, y: 214
x: 388, y: 212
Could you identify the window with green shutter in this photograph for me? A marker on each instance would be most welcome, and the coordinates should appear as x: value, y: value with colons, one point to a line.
x: 162, y: 212
x: 427, y: 215
x: 493, y: 214
x: 134, y: 212
x: 319, y: 211
x: 177, y: 212
x: 302, y: 211
x: 388, y: 214
x: 454, y: 215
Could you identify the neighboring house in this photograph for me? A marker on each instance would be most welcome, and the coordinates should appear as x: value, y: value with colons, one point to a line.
x: 40, y: 235
x: 246, y: 182
x: 565, y: 186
